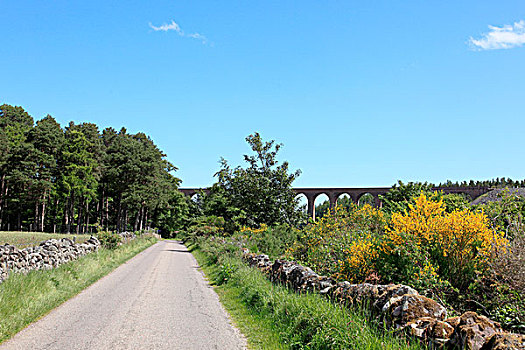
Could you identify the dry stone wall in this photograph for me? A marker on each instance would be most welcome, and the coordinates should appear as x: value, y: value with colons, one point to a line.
x: 397, y: 306
x: 49, y: 254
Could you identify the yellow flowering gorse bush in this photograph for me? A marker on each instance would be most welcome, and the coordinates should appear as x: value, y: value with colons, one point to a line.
x: 359, y: 258
x: 424, y: 246
x: 250, y: 230
x: 342, y: 243
x: 455, y: 244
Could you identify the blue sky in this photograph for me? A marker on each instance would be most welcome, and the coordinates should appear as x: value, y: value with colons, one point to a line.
x: 360, y: 93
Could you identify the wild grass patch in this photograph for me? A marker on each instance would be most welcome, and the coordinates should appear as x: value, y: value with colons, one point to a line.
x: 297, y: 321
x: 25, y: 298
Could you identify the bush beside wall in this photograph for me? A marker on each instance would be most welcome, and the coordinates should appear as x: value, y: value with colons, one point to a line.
x: 397, y: 306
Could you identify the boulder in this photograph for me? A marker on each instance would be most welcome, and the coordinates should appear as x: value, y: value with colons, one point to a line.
x: 420, y: 328
x: 400, y: 310
x: 387, y: 292
x: 473, y: 331
x: 505, y: 341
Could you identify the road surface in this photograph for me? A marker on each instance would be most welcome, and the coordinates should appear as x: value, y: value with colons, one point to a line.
x: 157, y: 300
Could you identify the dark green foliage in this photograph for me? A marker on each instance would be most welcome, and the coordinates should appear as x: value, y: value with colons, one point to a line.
x: 47, y: 138
x: 174, y: 214
x: 273, y: 241
x: 495, y: 183
x: 497, y: 299
x: 455, y: 201
x: 507, y: 212
x: 401, y: 195
x: 17, y: 163
x: 259, y: 194
x: 78, y: 179
x: 206, y: 226
x: 343, y: 201
x: 219, y: 203
x: 322, y: 209
x: 109, y: 240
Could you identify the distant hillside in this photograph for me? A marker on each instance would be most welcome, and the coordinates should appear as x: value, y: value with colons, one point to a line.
x: 493, y: 196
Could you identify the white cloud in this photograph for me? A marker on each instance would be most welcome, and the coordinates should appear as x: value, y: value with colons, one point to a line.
x: 505, y: 37
x: 175, y: 27
x: 165, y: 27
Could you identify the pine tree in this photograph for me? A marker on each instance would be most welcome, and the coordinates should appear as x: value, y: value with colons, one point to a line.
x: 47, y: 138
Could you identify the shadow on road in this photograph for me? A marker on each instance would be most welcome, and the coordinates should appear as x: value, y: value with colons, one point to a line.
x: 176, y: 250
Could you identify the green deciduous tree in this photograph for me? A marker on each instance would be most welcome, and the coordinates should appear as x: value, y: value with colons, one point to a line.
x: 401, y: 195
x: 260, y: 193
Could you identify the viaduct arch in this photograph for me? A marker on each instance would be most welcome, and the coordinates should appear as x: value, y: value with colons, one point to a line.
x: 333, y: 193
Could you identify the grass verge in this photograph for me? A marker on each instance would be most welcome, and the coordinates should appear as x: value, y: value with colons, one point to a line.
x: 259, y: 331
x: 26, y: 298
x: 273, y: 317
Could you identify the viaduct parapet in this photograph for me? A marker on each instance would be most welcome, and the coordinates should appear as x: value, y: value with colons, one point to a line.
x: 355, y: 193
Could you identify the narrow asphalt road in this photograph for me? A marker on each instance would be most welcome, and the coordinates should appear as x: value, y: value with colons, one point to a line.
x: 157, y: 300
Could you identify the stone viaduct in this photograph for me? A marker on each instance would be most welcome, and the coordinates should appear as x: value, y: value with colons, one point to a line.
x: 355, y: 193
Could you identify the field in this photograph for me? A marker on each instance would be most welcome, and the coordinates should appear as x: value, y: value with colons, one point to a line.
x: 26, y: 239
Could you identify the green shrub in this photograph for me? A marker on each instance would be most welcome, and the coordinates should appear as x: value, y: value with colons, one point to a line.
x: 225, y: 272
x: 455, y: 201
x: 203, y: 226
x: 274, y: 241
x: 342, y: 243
x: 303, y: 321
x: 506, y: 213
x: 109, y: 240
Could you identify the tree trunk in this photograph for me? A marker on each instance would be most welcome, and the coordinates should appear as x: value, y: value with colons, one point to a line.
x: 137, y: 219
x: 69, y: 213
x: 37, y: 216
x: 80, y: 216
x: 66, y: 216
x: 19, y: 221
x: 125, y: 219
x: 87, y: 217
x: 6, y: 206
x: 107, y: 214
x: 100, y: 208
x: 2, y: 198
x: 141, y: 225
x: 55, y: 215
x: 119, y: 214
x: 43, y: 213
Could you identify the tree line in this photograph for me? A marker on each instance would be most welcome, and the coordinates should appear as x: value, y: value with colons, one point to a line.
x: 79, y: 179
x: 497, y: 182
x: 259, y: 193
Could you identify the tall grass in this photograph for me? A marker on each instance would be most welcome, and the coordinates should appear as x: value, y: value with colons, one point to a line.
x: 260, y: 332
x: 302, y: 321
x: 26, y: 297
